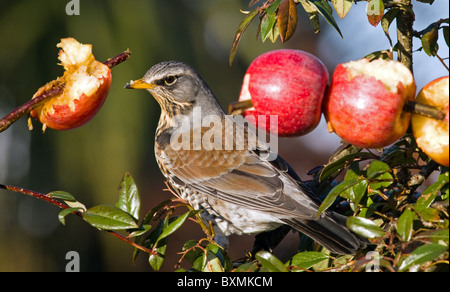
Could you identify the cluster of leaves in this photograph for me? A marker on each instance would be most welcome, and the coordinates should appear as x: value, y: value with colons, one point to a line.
x: 278, y: 18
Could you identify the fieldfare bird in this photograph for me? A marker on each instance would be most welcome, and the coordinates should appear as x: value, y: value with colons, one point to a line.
x: 218, y: 164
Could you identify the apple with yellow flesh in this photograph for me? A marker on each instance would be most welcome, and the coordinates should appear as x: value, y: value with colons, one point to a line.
x: 432, y: 135
x: 364, y: 103
x: 87, y: 82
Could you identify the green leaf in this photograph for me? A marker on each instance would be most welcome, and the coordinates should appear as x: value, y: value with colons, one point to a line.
x: 325, y: 10
x: 175, y: 224
x: 241, y: 29
x: 129, y: 200
x: 192, y: 253
x: 378, y: 173
x: 307, y: 259
x: 375, y: 11
x: 429, y: 41
x: 270, y: 262
x: 430, y: 194
x: 156, y: 260
x: 439, y: 236
x: 376, y: 168
x: 446, y: 36
x: 63, y: 213
x: 109, y: 218
x: 267, y: 24
x: 332, y: 195
x: 422, y: 254
x: 342, y: 7
x: 337, y: 166
x: 287, y: 19
x: 313, y: 13
x: 62, y: 196
x: 364, y: 227
x: 405, y: 225
x: 386, y: 21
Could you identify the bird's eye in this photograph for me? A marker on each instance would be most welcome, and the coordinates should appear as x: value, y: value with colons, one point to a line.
x: 169, y: 80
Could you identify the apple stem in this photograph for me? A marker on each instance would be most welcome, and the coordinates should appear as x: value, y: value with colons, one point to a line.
x: 424, y: 110
x: 238, y: 107
x: 27, y: 107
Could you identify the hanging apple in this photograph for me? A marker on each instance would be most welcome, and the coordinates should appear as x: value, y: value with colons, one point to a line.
x: 364, y: 104
x: 289, y: 84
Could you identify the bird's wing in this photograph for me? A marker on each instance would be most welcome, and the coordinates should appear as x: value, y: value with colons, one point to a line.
x: 243, y: 178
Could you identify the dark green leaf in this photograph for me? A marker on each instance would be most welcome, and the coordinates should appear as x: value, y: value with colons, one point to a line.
x: 267, y: 24
x: 364, y: 227
x: 109, y: 218
x: 129, y: 200
x: 325, y: 10
x: 342, y: 7
x: 156, y: 260
x: 175, y: 224
x: 405, y: 225
x: 423, y: 254
x: 386, y: 21
x: 381, y: 181
x: 273, y: 7
x: 62, y: 196
x: 439, y: 236
x: 430, y: 194
x: 426, y: 1
x: 429, y: 41
x: 307, y: 259
x: 241, y: 28
x: 446, y: 37
x: 139, y: 231
x: 376, y: 168
x: 269, y: 262
x: 332, y: 195
x: 287, y: 19
x: 192, y: 252
x: 356, y: 192
x: 334, y: 168
x: 63, y: 213
x: 313, y: 14
x: 247, y: 267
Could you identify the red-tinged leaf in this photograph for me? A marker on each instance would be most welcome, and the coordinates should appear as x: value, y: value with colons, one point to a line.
x: 241, y: 28
x: 287, y: 19
x: 375, y: 11
x: 342, y: 7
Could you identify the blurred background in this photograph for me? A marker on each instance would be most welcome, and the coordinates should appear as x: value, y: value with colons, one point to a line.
x: 90, y: 161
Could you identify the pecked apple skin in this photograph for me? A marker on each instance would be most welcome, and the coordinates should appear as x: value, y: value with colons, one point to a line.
x: 364, y: 112
x: 289, y: 84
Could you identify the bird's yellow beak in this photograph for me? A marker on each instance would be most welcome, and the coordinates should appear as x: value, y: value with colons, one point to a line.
x: 139, y: 84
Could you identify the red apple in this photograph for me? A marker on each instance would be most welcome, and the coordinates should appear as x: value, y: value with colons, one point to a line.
x: 365, y: 101
x: 87, y: 82
x: 432, y: 136
x: 289, y: 84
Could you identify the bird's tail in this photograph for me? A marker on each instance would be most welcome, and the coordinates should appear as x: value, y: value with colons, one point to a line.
x: 331, y: 232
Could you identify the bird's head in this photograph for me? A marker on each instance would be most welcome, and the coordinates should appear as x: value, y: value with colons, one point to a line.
x: 177, y: 87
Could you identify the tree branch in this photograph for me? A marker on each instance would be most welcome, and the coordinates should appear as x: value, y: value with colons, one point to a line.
x: 47, y: 198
